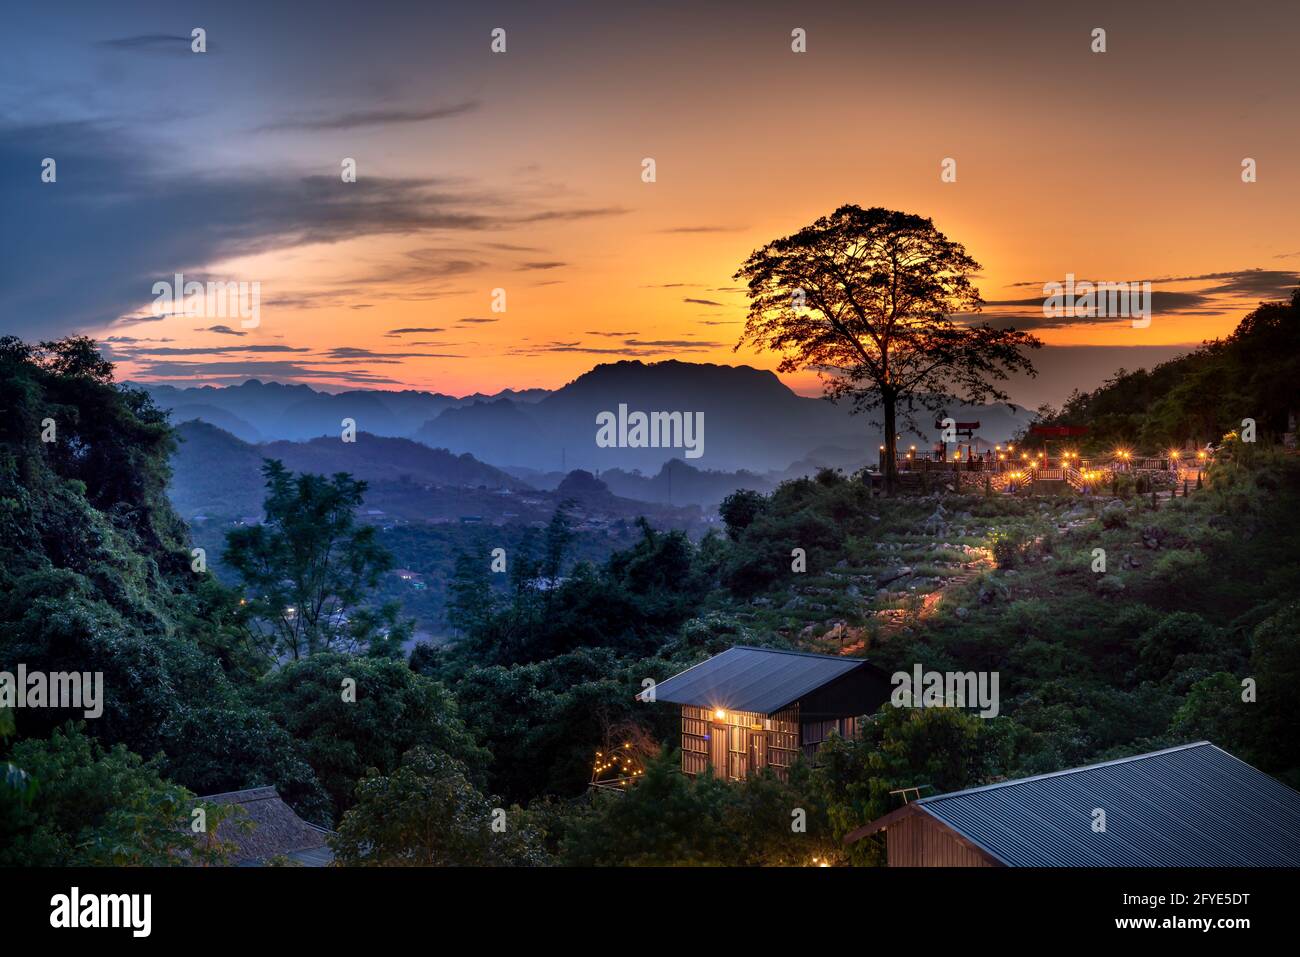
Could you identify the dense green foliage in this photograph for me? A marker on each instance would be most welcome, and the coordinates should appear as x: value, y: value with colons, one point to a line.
x: 93, y: 806
x: 426, y: 813
x: 1253, y: 373
x: 350, y: 714
x: 309, y: 567
x: 96, y: 576
x: 1191, y: 630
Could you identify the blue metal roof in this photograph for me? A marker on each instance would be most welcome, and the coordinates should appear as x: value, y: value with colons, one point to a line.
x: 761, y: 680
x: 1192, y: 806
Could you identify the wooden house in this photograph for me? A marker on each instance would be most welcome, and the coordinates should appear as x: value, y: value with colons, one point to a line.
x: 752, y: 708
x: 1191, y: 806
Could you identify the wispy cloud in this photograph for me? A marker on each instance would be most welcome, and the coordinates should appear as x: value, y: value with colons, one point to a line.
x: 158, y: 43
x: 683, y: 344
x: 354, y: 352
x: 230, y: 371
x: 210, y: 350
x: 407, y: 330
x: 87, y: 262
x: 703, y: 229
x: 363, y: 118
x: 1218, y: 291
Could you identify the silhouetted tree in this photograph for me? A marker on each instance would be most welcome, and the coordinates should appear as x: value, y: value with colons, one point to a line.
x: 867, y: 297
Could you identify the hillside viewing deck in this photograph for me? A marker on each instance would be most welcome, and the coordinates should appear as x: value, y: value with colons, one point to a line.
x: 1003, y: 472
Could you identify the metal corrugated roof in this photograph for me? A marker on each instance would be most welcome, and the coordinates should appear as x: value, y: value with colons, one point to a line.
x: 1193, y: 806
x: 761, y: 680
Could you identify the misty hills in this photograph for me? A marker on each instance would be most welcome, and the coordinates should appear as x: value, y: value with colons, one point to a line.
x: 257, y: 411
x: 216, y: 472
x: 752, y: 421
x: 218, y: 476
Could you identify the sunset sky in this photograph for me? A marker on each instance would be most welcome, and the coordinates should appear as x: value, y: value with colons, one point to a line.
x: 522, y: 171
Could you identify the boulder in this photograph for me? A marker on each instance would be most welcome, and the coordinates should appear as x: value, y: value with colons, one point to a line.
x: 894, y: 574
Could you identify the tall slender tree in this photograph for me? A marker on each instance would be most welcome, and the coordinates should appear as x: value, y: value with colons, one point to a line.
x: 309, y: 569
x: 878, y: 303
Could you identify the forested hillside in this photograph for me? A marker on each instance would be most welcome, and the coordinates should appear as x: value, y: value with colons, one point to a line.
x: 1188, y: 631
x: 1253, y: 373
x: 97, y: 575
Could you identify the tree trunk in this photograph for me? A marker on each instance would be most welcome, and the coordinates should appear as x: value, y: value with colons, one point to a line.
x: 890, y: 465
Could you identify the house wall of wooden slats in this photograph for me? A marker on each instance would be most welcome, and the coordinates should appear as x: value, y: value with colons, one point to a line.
x: 739, y: 743
x: 695, y: 739
x: 918, y: 840
x: 815, y: 732
x: 783, y: 740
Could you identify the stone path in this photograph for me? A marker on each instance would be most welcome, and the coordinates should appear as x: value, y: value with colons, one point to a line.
x: 893, y: 620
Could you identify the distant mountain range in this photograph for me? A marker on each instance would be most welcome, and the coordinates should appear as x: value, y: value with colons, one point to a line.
x: 259, y: 411
x: 214, y: 471
x: 751, y: 422
x: 218, y: 476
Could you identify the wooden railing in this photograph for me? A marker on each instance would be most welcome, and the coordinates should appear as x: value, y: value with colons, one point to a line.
x: 905, y: 464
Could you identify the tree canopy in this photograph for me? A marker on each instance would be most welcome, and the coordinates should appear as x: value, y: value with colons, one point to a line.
x: 875, y: 300
x: 309, y: 567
